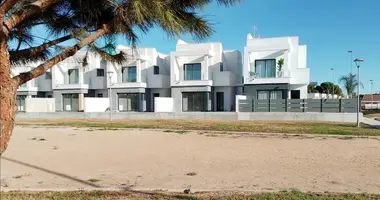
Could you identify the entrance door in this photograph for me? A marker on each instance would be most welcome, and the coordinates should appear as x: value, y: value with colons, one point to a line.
x: 154, y: 96
x: 220, y: 101
x: 70, y: 102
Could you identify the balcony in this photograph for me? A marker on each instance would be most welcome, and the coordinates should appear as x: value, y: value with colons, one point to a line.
x: 129, y: 85
x: 282, y: 78
x: 223, y: 78
x: 189, y: 83
x: 77, y: 86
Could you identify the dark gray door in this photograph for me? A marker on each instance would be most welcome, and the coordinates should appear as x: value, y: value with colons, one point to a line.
x: 220, y: 101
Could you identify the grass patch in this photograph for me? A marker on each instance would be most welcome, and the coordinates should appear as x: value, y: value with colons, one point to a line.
x: 100, y: 195
x: 181, y: 126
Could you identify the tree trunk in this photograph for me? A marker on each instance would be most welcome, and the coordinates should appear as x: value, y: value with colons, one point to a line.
x: 8, y: 89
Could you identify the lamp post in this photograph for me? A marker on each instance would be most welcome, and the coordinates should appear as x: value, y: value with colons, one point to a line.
x: 333, y: 82
x: 371, y: 94
x: 358, y: 61
x: 110, y: 73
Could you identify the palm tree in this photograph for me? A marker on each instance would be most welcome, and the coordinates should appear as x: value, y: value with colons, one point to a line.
x: 350, y: 83
x: 85, y: 24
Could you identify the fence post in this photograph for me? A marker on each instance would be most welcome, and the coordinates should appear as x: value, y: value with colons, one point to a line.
x: 321, y: 105
x: 253, y: 105
x: 269, y: 104
x: 286, y: 105
x: 303, y: 105
x: 340, y: 105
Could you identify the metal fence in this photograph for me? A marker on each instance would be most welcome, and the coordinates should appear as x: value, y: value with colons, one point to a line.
x: 298, y: 105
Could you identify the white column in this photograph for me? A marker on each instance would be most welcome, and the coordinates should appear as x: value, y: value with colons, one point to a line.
x: 205, y: 68
x: 81, y: 101
x: 138, y: 70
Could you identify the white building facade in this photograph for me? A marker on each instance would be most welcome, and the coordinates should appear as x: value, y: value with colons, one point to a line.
x: 196, y: 77
x: 263, y: 78
x: 204, y: 77
x: 135, y: 84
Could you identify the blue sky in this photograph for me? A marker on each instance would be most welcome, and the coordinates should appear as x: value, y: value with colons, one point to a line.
x: 328, y: 27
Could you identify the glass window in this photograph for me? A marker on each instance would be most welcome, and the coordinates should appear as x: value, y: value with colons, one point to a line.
x: 48, y: 75
x: 129, y: 74
x: 70, y: 102
x: 221, y: 67
x: 99, y: 72
x: 194, y: 101
x: 128, y: 102
x: 265, y: 68
x: 20, y: 101
x: 192, y: 71
x: 156, y: 69
x: 264, y: 95
x: 100, y: 95
x: 73, y: 76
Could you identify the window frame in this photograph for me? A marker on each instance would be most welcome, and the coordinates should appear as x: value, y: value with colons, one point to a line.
x: 191, y: 65
x: 100, y: 72
x: 156, y: 69
x: 266, y: 68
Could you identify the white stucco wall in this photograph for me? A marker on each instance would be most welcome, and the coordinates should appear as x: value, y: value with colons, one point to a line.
x: 39, y: 105
x: 163, y: 104
x: 288, y: 48
x: 96, y: 104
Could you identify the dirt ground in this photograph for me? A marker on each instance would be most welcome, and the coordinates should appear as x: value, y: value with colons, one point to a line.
x: 67, y: 158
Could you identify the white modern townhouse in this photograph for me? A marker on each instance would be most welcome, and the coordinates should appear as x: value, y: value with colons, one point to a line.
x: 264, y: 79
x: 72, y: 80
x: 40, y: 87
x: 204, y: 77
x: 135, y: 84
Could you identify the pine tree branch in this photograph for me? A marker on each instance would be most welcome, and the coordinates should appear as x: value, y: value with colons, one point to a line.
x: 41, y: 69
x: 6, y: 6
x: 37, y: 50
x: 29, y: 11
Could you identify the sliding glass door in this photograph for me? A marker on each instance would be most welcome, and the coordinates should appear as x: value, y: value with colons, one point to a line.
x: 195, y: 101
x: 20, y: 101
x: 70, y: 102
x: 192, y: 71
x: 129, y: 102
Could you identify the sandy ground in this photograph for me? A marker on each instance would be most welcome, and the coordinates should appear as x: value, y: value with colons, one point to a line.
x: 67, y: 158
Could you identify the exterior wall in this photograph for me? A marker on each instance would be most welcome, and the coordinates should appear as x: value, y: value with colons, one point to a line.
x: 96, y: 104
x: 115, y: 92
x: 295, y: 69
x: 90, y: 72
x: 164, y: 92
x: 163, y: 104
x: 251, y: 90
x: 59, y: 98
x: 301, y: 88
x: 229, y: 98
x: 177, y: 96
x: 231, y: 116
x: 40, y: 105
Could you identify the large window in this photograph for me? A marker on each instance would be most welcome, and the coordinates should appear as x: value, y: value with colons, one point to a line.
x: 265, y: 68
x: 70, y: 102
x: 195, y: 101
x: 129, y: 74
x: 20, y: 101
x: 73, y: 76
x: 274, y: 94
x: 128, y: 102
x: 192, y: 71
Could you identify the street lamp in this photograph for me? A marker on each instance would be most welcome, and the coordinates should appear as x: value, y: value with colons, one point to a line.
x: 358, y: 61
x: 371, y: 94
x: 333, y: 89
x: 110, y: 73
